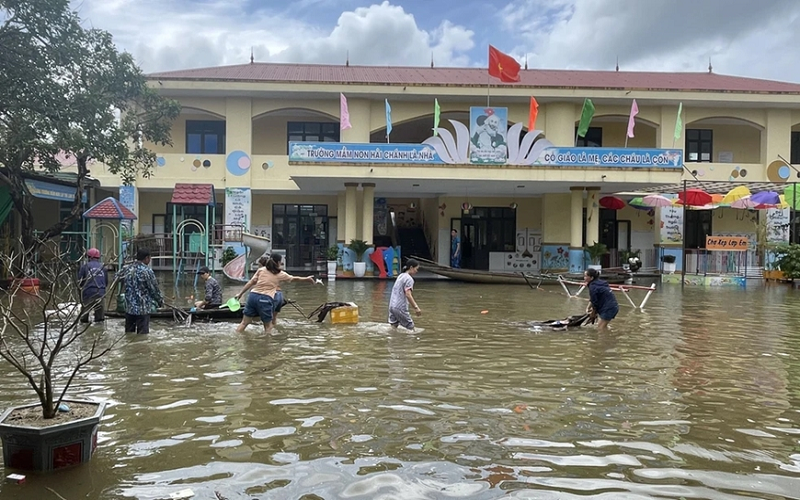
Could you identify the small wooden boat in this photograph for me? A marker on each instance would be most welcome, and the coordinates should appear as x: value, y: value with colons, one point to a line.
x: 501, y: 278
x: 208, y: 315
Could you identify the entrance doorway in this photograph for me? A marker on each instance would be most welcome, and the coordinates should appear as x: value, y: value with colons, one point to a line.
x: 302, y: 231
x: 484, y: 230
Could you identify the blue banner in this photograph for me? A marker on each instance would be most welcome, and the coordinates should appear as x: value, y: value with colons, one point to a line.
x: 334, y: 152
x: 610, y: 158
x: 49, y: 191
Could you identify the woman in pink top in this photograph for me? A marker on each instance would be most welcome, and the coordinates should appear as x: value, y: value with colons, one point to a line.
x: 265, y: 285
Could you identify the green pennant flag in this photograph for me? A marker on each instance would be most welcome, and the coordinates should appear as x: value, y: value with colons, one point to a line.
x: 586, y: 117
x: 679, y: 122
x: 436, y: 113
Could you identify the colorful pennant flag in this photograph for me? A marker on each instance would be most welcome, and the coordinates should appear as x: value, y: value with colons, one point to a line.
x: 532, y: 114
x: 436, y: 113
x: 388, y: 120
x: 631, y: 119
x: 679, y: 122
x: 586, y: 117
x: 344, y: 114
x: 503, y: 66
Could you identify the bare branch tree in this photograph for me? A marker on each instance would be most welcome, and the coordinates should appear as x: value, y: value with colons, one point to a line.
x: 42, y: 335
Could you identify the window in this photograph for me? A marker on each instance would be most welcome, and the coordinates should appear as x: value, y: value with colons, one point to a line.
x: 699, y: 144
x: 698, y: 226
x: 312, y: 132
x: 794, y: 157
x: 205, y: 137
x: 593, y: 139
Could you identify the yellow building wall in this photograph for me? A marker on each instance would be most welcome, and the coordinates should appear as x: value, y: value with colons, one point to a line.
x: 270, y: 133
x: 262, y: 205
x: 741, y: 140
x: 178, y: 133
x: 640, y: 220
x: 614, y: 135
x: 556, y: 210
x: 731, y: 220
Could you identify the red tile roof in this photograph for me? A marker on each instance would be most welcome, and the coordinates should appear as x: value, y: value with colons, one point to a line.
x: 110, y: 208
x: 477, y: 77
x: 193, y: 194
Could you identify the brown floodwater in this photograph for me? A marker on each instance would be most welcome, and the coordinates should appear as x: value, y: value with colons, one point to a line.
x: 696, y: 397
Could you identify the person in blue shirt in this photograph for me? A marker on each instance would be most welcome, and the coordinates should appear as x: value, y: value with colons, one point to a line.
x: 455, y: 250
x: 141, y: 293
x: 603, y: 302
x: 93, y: 280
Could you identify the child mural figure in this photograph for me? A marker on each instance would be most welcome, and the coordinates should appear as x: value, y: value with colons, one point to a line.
x: 401, y: 297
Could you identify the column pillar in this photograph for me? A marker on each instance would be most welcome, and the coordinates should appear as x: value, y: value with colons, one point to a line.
x: 576, y: 253
x: 340, y: 217
x: 367, y: 220
x: 592, y: 215
x: 350, y: 226
x: 560, y: 124
x: 666, y: 129
x: 238, y: 137
x: 360, y: 110
x: 776, y: 138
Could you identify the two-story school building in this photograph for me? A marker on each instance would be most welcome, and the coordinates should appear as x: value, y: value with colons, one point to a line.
x: 268, y: 137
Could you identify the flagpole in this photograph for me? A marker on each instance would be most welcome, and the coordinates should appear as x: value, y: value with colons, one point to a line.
x: 626, y: 140
x: 488, y: 88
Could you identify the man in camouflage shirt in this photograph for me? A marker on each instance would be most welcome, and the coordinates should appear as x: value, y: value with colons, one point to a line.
x: 141, y: 293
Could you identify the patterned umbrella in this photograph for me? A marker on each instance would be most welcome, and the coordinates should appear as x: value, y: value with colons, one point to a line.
x: 612, y: 203
x: 694, y: 197
x: 656, y: 200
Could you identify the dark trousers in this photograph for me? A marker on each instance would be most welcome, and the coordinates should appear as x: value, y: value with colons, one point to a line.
x: 93, y: 304
x: 137, y: 323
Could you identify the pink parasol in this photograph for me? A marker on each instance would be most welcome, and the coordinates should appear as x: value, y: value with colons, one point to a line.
x: 656, y: 200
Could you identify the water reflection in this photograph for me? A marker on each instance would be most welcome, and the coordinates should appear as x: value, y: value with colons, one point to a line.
x: 697, y: 397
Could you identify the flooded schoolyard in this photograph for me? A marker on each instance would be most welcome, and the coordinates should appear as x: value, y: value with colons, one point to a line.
x: 698, y: 396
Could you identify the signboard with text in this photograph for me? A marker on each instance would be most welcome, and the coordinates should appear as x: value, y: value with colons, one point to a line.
x: 727, y: 243
x: 381, y: 153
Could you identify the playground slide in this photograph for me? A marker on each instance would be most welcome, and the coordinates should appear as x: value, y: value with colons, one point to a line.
x: 234, y: 269
x: 256, y: 247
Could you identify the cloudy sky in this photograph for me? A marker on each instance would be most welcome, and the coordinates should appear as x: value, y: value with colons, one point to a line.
x: 742, y: 37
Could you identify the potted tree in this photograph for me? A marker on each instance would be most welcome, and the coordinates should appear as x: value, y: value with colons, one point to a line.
x: 333, y: 256
x: 787, y: 261
x: 359, y: 247
x: 668, y: 263
x: 42, y: 337
x: 596, y: 252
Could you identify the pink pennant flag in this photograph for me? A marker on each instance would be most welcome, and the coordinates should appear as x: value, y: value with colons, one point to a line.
x: 631, y: 121
x: 344, y: 114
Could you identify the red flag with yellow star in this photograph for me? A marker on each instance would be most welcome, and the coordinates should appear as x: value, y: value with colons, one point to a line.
x: 503, y: 66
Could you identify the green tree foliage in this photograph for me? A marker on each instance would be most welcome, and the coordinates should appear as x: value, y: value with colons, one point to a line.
x: 66, y: 89
x: 787, y: 259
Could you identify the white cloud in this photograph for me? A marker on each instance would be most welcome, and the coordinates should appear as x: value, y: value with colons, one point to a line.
x: 176, y: 35
x: 741, y: 36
